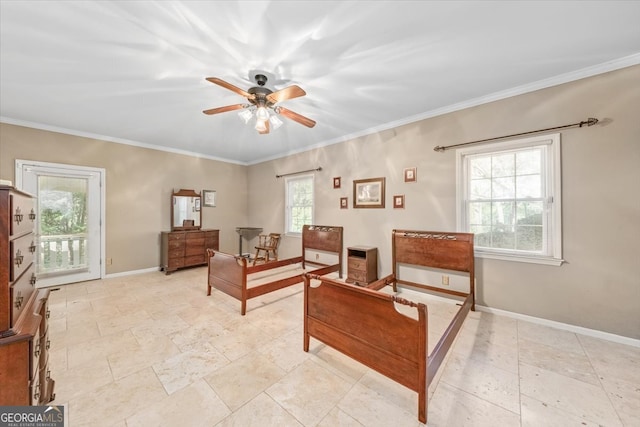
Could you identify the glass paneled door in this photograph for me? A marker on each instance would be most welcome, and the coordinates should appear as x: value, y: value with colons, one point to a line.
x: 68, y: 225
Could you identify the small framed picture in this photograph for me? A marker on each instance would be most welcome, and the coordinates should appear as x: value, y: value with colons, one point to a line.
x: 209, y: 198
x: 336, y: 182
x: 398, y: 202
x: 410, y: 175
x: 344, y: 203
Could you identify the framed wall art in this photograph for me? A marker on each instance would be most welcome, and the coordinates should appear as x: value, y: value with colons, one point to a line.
x: 398, y: 202
x: 344, y: 203
x: 336, y: 182
x: 410, y: 175
x: 368, y: 193
x: 209, y: 198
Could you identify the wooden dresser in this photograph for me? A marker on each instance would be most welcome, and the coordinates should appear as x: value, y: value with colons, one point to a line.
x: 187, y: 248
x: 24, y: 313
x: 362, y: 265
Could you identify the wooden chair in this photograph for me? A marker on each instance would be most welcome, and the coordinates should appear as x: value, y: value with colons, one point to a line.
x: 267, y: 245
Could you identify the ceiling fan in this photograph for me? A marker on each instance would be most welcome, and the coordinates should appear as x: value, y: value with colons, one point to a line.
x: 262, y: 99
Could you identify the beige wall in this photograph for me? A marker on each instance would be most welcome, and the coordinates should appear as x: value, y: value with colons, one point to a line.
x: 139, y: 183
x: 597, y: 288
x: 599, y: 285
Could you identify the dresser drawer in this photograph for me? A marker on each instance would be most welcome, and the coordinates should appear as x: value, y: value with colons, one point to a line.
x: 175, y: 254
x: 211, y: 240
x: 194, y: 235
x: 46, y: 385
x: 173, y: 237
x: 23, y: 215
x: 195, y: 247
x: 36, y: 393
x: 175, y: 263
x: 22, y: 253
x: 20, y: 292
x: 194, y: 260
x: 36, y: 352
x: 176, y: 245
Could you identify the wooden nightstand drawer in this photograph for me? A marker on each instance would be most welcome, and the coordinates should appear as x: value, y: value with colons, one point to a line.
x: 356, y: 263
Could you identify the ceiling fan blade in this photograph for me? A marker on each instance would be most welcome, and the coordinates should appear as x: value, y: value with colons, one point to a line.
x: 224, y: 109
x: 231, y: 87
x: 286, y: 93
x: 297, y: 117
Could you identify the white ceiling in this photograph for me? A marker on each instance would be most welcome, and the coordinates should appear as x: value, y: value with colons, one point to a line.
x: 134, y: 72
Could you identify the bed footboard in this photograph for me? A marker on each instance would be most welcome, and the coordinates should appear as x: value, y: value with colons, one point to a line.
x: 226, y: 273
x: 365, y: 325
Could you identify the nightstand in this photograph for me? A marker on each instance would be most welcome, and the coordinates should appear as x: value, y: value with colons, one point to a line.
x: 362, y: 265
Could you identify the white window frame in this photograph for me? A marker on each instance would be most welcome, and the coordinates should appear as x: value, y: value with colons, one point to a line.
x: 552, y: 217
x: 288, y: 216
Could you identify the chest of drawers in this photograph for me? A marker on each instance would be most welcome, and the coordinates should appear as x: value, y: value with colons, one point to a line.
x: 187, y: 248
x: 24, y: 313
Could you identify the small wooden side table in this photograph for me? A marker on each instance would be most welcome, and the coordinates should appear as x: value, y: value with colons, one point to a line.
x: 362, y: 265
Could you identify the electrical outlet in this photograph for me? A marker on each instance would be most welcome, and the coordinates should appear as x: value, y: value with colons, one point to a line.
x: 109, y: 261
x: 445, y: 280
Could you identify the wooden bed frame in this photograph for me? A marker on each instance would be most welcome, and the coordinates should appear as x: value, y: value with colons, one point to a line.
x: 231, y: 274
x: 364, y: 324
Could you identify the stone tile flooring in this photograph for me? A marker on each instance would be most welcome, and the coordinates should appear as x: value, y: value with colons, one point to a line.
x: 154, y: 350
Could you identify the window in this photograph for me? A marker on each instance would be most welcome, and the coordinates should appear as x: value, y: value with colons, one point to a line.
x: 508, y: 195
x: 299, y: 203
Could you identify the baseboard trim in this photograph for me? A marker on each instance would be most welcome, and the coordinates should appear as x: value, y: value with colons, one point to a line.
x: 563, y: 326
x: 545, y: 322
x: 131, y: 272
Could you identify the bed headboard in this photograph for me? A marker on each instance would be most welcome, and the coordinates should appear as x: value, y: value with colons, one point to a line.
x: 323, y: 238
x: 449, y: 251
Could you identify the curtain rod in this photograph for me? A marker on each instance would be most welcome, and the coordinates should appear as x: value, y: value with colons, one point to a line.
x: 295, y: 173
x: 589, y: 122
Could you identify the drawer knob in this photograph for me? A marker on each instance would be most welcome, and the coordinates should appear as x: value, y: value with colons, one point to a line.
x: 48, y: 346
x: 36, y: 353
x: 48, y: 314
x: 32, y: 247
x: 19, y: 299
x: 18, y: 217
x: 19, y: 257
x: 33, y: 279
x: 32, y: 215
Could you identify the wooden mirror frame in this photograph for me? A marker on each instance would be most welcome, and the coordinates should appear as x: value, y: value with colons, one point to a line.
x: 186, y: 193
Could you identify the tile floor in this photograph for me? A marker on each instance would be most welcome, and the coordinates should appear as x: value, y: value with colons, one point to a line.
x: 152, y: 350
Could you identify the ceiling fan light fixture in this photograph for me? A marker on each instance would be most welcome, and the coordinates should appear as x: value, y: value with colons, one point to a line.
x: 275, y: 122
x: 245, y: 115
x: 261, y: 125
x: 262, y: 113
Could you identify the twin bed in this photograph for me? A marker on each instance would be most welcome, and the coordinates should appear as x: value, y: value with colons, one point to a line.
x: 234, y: 276
x: 364, y: 324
